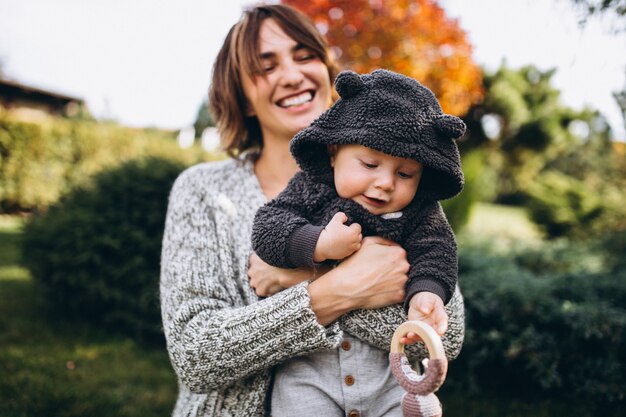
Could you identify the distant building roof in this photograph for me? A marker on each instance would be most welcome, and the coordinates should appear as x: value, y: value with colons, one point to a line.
x: 31, y: 101
x: 14, y: 88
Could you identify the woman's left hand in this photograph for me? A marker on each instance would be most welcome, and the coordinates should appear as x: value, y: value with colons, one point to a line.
x: 267, y: 280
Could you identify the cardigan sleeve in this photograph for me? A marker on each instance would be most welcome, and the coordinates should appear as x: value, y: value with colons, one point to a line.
x: 214, y: 339
x: 376, y: 327
x: 282, y: 234
x: 432, y: 255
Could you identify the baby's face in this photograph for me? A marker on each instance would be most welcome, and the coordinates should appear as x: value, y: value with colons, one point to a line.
x: 379, y: 182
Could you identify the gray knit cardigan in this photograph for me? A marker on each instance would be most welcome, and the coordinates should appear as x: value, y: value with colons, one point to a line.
x: 222, y: 340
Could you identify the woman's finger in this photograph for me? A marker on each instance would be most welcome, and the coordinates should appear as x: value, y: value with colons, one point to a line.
x: 379, y: 241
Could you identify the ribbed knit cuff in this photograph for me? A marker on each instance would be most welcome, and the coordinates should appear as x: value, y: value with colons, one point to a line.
x: 421, y: 286
x: 301, y: 246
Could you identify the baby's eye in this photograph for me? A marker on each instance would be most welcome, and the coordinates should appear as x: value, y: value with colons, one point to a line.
x: 368, y: 165
x: 405, y: 175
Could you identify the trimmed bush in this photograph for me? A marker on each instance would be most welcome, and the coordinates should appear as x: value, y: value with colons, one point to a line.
x: 541, y: 323
x: 42, y: 161
x: 97, y: 251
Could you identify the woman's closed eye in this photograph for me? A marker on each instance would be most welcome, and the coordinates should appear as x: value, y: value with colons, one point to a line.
x: 267, y: 67
x: 304, y: 55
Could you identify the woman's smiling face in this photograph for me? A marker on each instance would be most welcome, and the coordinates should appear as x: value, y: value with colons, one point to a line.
x: 294, y: 88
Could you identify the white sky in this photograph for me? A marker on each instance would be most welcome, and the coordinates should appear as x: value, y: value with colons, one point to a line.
x: 148, y: 62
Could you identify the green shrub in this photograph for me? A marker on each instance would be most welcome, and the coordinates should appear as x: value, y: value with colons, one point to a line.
x: 538, y: 328
x: 97, y: 251
x: 613, y: 245
x: 562, y: 205
x: 459, y: 208
x: 42, y: 161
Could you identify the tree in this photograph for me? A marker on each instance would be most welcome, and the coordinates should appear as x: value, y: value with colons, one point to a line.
x: 558, y: 161
x: 620, y: 99
x: 523, y: 124
x: 616, y: 9
x: 204, y: 119
x: 412, y: 37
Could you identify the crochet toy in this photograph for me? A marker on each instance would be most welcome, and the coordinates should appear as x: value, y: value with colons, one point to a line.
x: 419, y: 400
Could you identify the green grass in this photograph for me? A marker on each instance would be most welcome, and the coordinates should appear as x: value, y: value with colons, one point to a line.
x: 504, y: 226
x: 53, y: 367
x: 10, y: 227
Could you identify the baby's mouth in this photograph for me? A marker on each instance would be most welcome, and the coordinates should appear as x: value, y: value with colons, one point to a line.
x: 296, y: 100
x: 375, y: 201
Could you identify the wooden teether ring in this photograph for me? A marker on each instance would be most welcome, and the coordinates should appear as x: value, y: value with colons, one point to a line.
x: 419, y: 399
x: 423, y: 330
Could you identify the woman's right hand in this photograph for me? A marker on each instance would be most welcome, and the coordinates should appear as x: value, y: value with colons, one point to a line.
x: 372, y: 277
x: 267, y: 280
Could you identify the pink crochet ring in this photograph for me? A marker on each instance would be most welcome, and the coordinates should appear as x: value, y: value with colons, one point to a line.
x: 419, y: 400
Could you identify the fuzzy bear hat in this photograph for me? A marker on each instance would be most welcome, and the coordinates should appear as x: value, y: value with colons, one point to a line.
x: 393, y: 114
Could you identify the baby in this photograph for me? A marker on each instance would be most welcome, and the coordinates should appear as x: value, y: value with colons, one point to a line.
x: 375, y: 163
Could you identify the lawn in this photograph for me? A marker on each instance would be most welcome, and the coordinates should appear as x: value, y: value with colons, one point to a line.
x: 501, y: 225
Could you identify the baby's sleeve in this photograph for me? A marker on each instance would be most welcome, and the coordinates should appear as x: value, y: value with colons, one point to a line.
x: 432, y: 255
x: 282, y: 234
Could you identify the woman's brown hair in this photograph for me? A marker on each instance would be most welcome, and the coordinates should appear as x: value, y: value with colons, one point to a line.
x: 240, y: 53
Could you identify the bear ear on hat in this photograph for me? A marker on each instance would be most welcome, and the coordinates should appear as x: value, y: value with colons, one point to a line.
x: 450, y: 126
x: 348, y: 84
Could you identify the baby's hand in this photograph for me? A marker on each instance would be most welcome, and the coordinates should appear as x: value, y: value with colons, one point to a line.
x: 427, y: 307
x: 337, y: 240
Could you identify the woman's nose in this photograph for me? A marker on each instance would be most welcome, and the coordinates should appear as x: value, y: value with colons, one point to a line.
x: 291, y: 75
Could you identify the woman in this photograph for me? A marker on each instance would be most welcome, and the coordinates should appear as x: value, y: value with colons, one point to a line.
x: 271, y: 78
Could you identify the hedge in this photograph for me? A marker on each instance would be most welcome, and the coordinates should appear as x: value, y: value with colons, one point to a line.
x: 544, y: 322
x: 97, y: 250
x: 42, y: 161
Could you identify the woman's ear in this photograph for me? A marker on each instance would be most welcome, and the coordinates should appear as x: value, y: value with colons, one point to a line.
x: 248, y: 110
x: 332, y: 151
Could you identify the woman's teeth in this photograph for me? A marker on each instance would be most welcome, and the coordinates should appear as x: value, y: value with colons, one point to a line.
x: 296, y: 100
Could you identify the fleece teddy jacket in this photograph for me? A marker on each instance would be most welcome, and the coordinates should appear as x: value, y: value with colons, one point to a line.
x: 393, y: 114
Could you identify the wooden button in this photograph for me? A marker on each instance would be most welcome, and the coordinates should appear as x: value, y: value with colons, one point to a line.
x: 349, y: 380
x: 353, y: 413
x: 345, y: 345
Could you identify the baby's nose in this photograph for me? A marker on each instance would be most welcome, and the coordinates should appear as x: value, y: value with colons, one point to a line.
x: 385, y: 182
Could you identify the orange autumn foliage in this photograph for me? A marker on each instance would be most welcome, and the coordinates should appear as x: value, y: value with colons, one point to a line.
x: 412, y: 37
